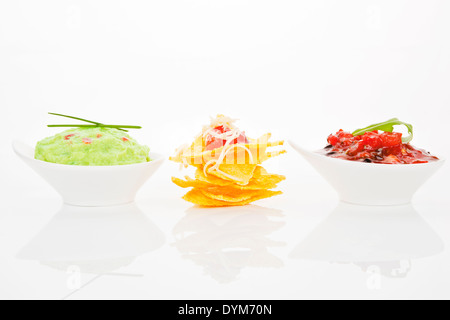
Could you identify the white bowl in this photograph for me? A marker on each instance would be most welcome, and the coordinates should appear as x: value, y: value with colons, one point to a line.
x: 92, y: 186
x: 369, y: 183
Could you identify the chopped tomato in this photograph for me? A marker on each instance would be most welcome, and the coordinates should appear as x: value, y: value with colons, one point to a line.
x: 376, y: 147
x: 99, y: 136
x: 213, y: 142
x: 69, y: 136
x: 125, y: 139
x: 87, y: 140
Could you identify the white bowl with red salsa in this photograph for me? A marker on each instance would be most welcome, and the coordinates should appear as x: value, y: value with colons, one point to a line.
x: 373, y: 167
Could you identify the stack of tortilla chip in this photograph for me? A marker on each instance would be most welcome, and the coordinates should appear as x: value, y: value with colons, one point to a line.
x: 213, y: 191
x: 238, y: 180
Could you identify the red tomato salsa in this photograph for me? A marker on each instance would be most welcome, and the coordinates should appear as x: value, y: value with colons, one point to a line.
x: 213, y: 142
x: 375, y: 147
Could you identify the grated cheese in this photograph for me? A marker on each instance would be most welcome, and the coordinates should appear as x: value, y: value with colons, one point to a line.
x: 229, y: 136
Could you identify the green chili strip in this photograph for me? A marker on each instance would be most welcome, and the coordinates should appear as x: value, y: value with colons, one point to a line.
x: 388, y: 126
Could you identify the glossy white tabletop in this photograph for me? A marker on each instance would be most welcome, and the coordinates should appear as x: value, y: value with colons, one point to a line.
x: 303, y: 244
x: 298, y: 69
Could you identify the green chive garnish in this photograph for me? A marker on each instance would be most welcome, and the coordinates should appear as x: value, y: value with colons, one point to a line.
x: 93, y: 124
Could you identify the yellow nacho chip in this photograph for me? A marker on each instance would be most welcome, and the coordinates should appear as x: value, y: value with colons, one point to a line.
x: 269, y: 182
x: 235, y: 153
x: 263, y: 180
x: 274, y: 154
x: 259, y: 171
x: 197, y: 197
x: 190, y: 183
x: 229, y: 194
x: 237, y: 173
x: 200, y: 175
x: 260, y: 180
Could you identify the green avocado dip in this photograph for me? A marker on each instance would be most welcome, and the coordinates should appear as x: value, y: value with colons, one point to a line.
x: 92, y: 147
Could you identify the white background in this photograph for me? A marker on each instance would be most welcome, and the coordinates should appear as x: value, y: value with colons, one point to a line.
x: 300, y: 69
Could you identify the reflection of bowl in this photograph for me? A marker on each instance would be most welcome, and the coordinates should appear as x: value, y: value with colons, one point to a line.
x: 369, y: 183
x: 368, y: 236
x: 96, y: 240
x: 92, y: 186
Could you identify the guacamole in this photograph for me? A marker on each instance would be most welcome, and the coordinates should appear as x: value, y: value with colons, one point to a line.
x: 92, y: 147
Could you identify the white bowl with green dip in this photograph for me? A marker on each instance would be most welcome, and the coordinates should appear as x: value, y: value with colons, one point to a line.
x: 92, y: 167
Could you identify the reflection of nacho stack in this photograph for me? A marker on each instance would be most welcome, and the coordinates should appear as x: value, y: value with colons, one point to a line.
x: 230, y: 175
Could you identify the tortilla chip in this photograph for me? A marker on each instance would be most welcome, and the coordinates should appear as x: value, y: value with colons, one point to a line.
x: 266, y: 182
x: 196, y: 154
x: 242, y: 172
x: 259, y: 171
x: 197, y: 197
x: 261, y: 176
x: 275, y: 154
x: 260, y: 180
x: 200, y: 175
x: 190, y: 183
x: 229, y: 194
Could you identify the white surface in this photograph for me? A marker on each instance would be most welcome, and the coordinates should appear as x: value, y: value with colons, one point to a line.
x: 302, y: 69
x: 92, y: 186
x: 299, y: 245
x: 371, y: 184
